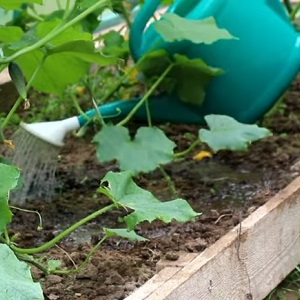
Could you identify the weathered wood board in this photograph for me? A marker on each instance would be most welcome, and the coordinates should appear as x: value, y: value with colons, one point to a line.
x: 246, y: 263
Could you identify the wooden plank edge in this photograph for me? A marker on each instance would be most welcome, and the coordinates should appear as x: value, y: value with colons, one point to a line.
x: 184, y: 259
x: 154, y: 283
x: 246, y: 263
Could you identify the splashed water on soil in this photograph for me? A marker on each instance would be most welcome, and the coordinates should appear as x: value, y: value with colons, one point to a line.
x: 38, y: 161
x: 226, y: 187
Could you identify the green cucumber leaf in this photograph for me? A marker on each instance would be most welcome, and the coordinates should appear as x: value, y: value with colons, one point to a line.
x: 9, y: 175
x: 57, y: 71
x: 227, y: 133
x: 16, y: 281
x: 124, y: 191
x: 10, y: 34
x: 175, y: 28
x: 192, y: 77
x: 145, y: 152
x: 115, y: 44
x: 68, y: 57
x: 63, y: 65
x: 188, y: 77
x: 70, y: 34
x: 124, y: 233
x: 53, y: 264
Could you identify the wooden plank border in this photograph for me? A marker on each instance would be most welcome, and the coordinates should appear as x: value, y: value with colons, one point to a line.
x: 246, y: 263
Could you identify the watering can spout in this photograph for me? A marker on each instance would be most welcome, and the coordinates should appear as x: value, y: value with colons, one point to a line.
x: 52, y: 132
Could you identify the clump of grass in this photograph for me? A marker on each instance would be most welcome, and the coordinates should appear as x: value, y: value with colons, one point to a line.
x: 288, y: 289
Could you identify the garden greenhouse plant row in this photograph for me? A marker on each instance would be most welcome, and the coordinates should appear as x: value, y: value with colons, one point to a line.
x: 246, y: 263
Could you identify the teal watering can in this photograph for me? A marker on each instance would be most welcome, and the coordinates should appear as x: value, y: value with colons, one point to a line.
x: 258, y: 66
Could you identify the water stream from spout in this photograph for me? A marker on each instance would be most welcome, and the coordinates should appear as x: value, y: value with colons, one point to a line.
x: 37, y: 160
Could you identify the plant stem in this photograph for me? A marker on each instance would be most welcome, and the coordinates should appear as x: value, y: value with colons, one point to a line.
x: 85, y: 262
x: 169, y: 180
x: 288, y: 5
x: 149, y: 120
x: 125, y: 15
x: 12, y: 111
x: 146, y: 96
x: 76, y: 104
x: 2, y: 240
x: 34, y: 14
x: 295, y: 11
x: 119, y: 82
x: 7, y: 239
x: 58, y: 4
x: 43, y: 268
x: 62, y: 234
x: 99, y: 115
x: 67, y: 10
x: 55, y: 32
x: 40, y: 226
x: 30, y: 260
x: 20, y: 99
x: 188, y: 150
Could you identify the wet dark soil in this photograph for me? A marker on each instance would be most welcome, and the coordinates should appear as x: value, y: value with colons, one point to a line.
x: 225, y: 188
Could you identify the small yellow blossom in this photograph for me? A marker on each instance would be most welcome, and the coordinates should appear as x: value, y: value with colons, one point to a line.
x: 132, y: 74
x: 80, y: 90
x: 126, y: 96
x: 202, y: 154
x: 10, y: 144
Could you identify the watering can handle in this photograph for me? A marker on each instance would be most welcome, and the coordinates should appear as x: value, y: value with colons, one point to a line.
x: 137, y: 28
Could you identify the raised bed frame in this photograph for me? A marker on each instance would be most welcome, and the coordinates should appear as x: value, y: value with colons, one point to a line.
x: 246, y: 263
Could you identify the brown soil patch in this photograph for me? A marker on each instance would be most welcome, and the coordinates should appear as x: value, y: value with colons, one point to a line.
x: 226, y: 188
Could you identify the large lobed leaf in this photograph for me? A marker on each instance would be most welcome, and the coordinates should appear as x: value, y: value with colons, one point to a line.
x: 227, y: 133
x: 154, y: 63
x: 9, y: 175
x: 145, y: 152
x: 63, y: 66
x: 67, y: 59
x: 122, y: 190
x: 115, y: 44
x: 189, y: 77
x: 68, y: 55
x: 192, y: 77
x: 175, y: 28
x: 10, y: 34
x: 16, y: 282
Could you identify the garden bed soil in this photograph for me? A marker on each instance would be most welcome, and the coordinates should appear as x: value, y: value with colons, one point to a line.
x: 225, y: 188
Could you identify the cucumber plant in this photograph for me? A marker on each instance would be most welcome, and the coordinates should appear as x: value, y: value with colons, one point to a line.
x: 56, y: 50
